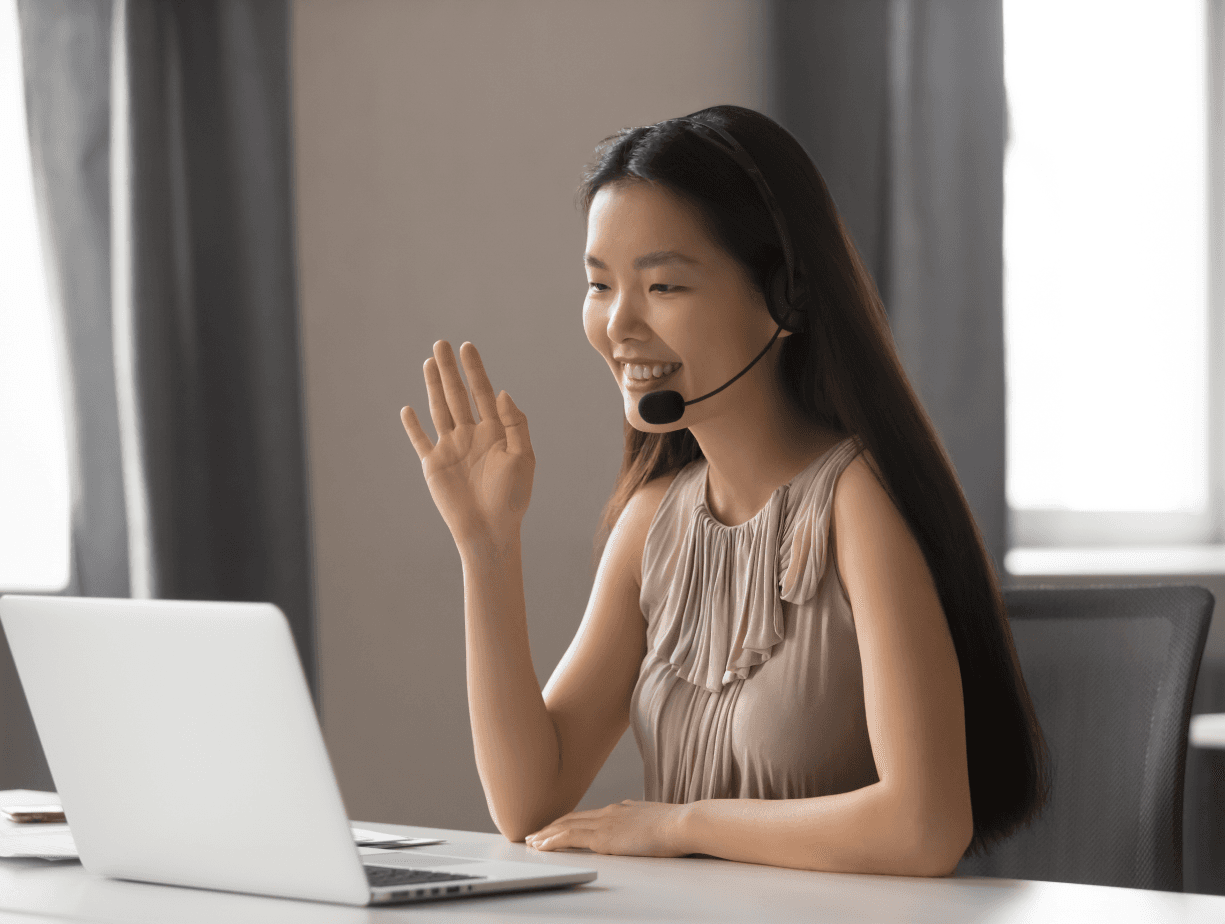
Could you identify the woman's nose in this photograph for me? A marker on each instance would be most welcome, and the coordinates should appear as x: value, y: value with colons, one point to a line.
x: 624, y: 318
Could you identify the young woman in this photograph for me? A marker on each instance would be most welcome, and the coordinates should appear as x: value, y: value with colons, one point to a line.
x: 794, y: 607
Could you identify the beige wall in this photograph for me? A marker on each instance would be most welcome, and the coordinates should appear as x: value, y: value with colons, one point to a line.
x: 438, y: 147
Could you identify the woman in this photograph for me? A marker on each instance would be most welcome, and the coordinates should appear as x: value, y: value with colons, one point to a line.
x: 794, y: 606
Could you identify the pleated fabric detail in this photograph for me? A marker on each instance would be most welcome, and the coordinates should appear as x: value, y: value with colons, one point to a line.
x: 751, y: 686
x: 719, y: 591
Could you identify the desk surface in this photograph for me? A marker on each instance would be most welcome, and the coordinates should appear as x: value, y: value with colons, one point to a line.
x: 628, y: 889
x: 1208, y: 730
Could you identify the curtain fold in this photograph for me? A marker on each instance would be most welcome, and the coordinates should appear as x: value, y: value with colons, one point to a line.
x: 901, y: 104
x: 160, y: 141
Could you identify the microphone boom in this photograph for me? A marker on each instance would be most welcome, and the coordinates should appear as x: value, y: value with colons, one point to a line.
x: 666, y: 406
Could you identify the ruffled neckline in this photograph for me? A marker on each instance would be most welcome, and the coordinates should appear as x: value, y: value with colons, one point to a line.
x: 714, y: 593
x: 703, y: 508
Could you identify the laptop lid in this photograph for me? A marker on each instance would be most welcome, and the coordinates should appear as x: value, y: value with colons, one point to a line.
x: 184, y: 745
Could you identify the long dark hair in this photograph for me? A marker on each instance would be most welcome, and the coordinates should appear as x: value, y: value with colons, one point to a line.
x: 844, y: 373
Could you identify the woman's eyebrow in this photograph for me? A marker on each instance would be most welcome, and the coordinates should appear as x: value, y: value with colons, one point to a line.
x: 647, y: 260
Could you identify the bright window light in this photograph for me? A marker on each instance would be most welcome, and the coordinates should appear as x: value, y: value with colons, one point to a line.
x: 33, y: 457
x: 1105, y: 246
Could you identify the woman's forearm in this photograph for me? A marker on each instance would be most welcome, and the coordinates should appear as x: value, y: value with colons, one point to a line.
x: 514, y: 738
x: 867, y: 830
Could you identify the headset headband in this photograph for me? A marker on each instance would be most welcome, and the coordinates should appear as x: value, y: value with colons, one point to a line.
x: 741, y: 157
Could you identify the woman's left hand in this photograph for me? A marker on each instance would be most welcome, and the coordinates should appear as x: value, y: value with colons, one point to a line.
x: 629, y: 828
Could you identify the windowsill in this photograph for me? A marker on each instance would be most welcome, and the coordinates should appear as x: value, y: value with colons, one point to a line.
x: 1172, y: 560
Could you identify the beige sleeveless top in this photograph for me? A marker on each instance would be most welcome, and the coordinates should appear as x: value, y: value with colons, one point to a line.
x: 751, y: 686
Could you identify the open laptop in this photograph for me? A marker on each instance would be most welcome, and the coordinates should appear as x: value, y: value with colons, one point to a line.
x: 186, y: 751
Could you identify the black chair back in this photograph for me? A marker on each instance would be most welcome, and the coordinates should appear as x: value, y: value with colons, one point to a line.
x: 1112, y: 673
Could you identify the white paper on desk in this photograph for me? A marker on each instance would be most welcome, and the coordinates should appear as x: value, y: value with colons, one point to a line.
x: 44, y: 845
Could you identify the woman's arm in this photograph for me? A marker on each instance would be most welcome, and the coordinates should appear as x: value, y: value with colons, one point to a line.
x: 538, y: 753
x: 916, y: 820
x: 514, y: 740
x: 862, y: 831
x: 480, y: 474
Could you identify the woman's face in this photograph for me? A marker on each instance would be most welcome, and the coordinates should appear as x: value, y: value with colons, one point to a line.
x: 662, y: 295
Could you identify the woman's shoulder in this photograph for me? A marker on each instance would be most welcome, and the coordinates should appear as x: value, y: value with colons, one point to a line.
x: 640, y: 512
x: 645, y: 501
x: 651, y: 494
x: 817, y: 481
x: 657, y: 487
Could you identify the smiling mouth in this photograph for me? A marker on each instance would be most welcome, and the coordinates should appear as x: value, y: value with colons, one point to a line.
x: 651, y: 383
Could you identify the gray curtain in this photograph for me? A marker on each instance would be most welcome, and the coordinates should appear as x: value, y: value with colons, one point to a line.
x: 160, y: 141
x: 901, y: 104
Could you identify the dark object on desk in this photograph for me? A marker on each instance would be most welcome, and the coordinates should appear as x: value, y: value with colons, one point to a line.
x: 1112, y: 672
x: 32, y: 814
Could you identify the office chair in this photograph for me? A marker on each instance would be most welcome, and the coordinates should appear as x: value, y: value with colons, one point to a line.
x: 1111, y: 671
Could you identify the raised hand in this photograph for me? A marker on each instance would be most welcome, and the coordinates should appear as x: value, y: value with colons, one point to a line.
x: 480, y: 471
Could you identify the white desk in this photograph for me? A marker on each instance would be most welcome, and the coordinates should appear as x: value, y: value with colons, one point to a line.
x: 628, y: 889
x: 1208, y: 730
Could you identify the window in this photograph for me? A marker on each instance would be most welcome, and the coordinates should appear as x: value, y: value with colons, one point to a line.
x: 34, y: 533
x: 1111, y: 368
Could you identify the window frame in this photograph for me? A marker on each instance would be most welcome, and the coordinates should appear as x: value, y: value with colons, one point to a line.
x: 1062, y: 528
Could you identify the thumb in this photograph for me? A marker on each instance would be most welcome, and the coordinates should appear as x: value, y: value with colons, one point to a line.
x: 515, y: 422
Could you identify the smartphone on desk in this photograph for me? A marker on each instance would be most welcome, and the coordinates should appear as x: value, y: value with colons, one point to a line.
x: 32, y: 814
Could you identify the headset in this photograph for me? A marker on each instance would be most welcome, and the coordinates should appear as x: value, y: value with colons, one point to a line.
x: 788, y: 306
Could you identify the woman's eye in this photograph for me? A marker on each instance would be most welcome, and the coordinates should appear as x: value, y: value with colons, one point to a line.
x: 599, y: 287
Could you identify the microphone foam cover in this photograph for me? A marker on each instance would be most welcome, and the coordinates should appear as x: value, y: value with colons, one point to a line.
x: 661, y: 407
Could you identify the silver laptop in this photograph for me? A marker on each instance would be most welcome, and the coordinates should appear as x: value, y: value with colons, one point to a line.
x: 186, y: 751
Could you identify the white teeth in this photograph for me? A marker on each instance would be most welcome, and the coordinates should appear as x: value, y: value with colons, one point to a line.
x: 648, y: 372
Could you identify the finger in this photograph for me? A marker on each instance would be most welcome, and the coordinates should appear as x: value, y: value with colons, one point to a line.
x: 548, y: 830
x: 515, y: 421
x: 570, y: 837
x: 412, y: 426
x: 439, y: 412
x: 453, y: 385
x: 559, y: 824
x: 556, y: 827
x: 478, y: 380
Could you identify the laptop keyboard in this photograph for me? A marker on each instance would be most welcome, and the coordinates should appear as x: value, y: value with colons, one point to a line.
x: 379, y: 876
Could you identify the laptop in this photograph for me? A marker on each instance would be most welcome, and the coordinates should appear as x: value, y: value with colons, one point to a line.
x: 186, y: 751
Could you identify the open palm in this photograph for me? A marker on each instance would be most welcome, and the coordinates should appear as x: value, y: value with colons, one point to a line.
x: 480, y: 471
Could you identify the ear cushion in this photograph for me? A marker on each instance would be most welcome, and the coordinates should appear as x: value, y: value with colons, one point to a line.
x: 793, y: 318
